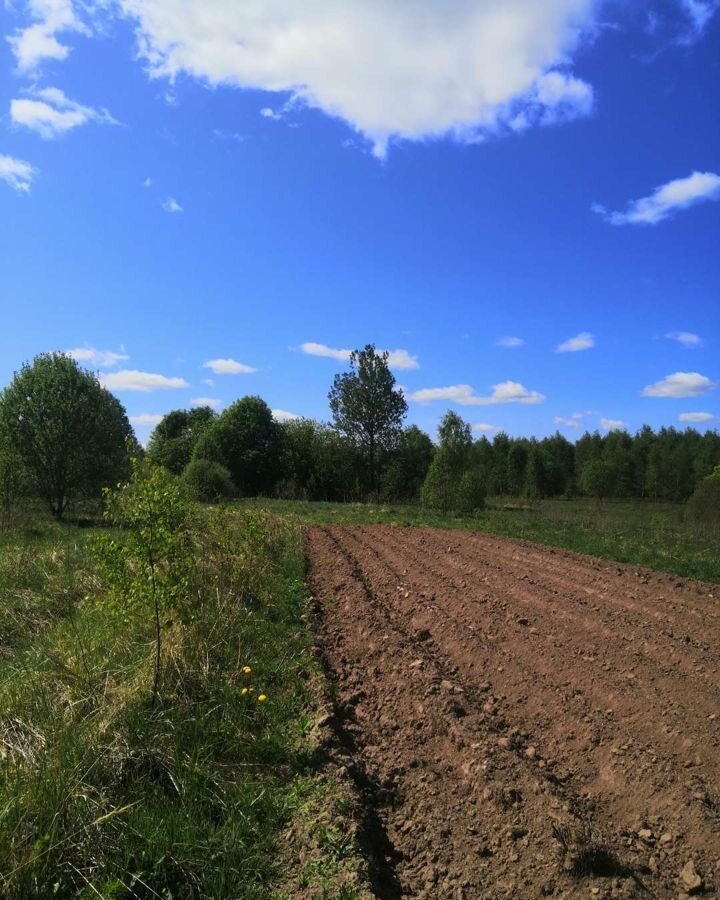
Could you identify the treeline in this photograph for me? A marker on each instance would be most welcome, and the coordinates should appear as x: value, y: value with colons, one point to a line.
x: 63, y: 438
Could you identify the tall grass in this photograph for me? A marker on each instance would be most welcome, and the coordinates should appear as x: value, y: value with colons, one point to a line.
x: 657, y: 535
x: 104, y: 794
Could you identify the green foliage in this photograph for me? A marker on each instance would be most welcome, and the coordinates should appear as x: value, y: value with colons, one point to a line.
x: 246, y: 440
x: 150, y: 563
x: 597, y: 479
x: 454, y: 480
x: 406, y: 466
x: 704, y: 505
x: 207, y: 481
x: 14, y: 478
x: 471, y: 492
x: 438, y: 490
x: 368, y: 408
x: 173, y: 441
x: 72, y: 435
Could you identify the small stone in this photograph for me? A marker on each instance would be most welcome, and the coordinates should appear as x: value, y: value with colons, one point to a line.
x: 416, y: 664
x: 691, y: 881
x: 531, y: 753
x: 666, y: 839
x: 504, y: 743
x: 646, y: 835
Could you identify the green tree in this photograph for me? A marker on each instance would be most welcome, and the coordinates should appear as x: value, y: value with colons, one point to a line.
x: 597, y: 479
x: 246, y: 440
x: 368, y: 408
x: 174, y: 439
x: 535, y: 472
x: 207, y: 481
x: 408, y: 465
x: 150, y: 563
x: 449, y: 474
x: 71, y: 434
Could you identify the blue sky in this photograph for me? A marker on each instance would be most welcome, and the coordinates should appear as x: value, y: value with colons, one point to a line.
x: 212, y: 199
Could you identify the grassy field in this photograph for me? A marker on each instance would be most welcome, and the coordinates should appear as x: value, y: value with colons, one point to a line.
x: 105, y: 794
x: 657, y: 535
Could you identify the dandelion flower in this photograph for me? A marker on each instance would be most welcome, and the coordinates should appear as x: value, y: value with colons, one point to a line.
x: 262, y: 698
x: 247, y: 670
x: 244, y: 691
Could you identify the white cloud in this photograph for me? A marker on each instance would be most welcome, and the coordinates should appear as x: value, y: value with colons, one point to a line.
x: 464, y: 395
x: 667, y: 199
x: 172, y: 206
x: 686, y: 338
x: 582, y: 341
x: 212, y: 402
x: 509, y: 342
x: 50, y: 113
x: 210, y: 382
x: 38, y: 41
x: 132, y: 380
x: 397, y: 359
x: 282, y: 415
x: 572, y: 422
x: 102, y: 358
x: 228, y: 367
x: 696, y: 418
x: 391, y: 70
x: 680, y: 384
x: 147, y: 419
x: 699, y: 12
x: 17, y: 173
x: 484, y: 428
x: 611, y: 424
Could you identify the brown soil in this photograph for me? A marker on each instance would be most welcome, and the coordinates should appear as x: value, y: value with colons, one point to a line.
x: 521, y: 721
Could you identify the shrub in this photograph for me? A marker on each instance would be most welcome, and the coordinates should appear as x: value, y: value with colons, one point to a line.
x: 471, y: 492
x: 704, y: 505
x: 207, y: 481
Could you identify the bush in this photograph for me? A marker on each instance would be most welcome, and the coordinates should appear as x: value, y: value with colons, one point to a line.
x: 471, y: 492
x: 704, y: 505
x: 207, y: 481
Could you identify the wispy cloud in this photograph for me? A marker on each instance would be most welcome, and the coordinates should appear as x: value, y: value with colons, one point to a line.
x: 484, y: 428
x: 133, y: 380
x: 509, y: 342
x: 686, y: 338
x: 170, y: 205
x: 696, y: 418
x: 101, y: 358
x: 282, y: 415
x: 680, y: 384
x: 38, y: 41
x: 582, y: 341
x: 397, y: 359
x: 147, y: 419
x: 49, y: 113
x: 568, y: 423
x: 464, y: 395
x: 611, y: 424
x: 212, y: 402
x: 17, y: 173
x: 699, y: 12
x: 228, y: 367
x: 682, y: 193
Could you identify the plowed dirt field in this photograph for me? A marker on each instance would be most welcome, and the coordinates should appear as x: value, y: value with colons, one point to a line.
x: 521, y: 721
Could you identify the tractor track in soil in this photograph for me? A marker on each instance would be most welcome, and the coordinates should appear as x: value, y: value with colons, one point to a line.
x: 522, y: 721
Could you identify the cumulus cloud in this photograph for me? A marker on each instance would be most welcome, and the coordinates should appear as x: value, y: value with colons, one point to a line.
x: 391, y: 70
x: 282, y: 415
x: 101, y: 358
x: 50, y: 113
x: 696, y: 418
x: 484, y: 428
x: 212, y: 402
x: 666, y: 200
x: 680, y: 384
x: 686, y: 338
x: 699, y: 12
x: 611, y: 424
x: 228, y: 367
x: 397, y: 359
x: 17, y: 173
x: 147, y: 419
x: 132, y: 380
x: 509, y: 342
x: 39, y: 41
x: 582, y: 341
x: 172, y: 206
x: 464, y: 395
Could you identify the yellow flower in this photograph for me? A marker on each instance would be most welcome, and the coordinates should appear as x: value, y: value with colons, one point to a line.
x: 244, y: 691
x: 247, y: 670
x: 262, y: 698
